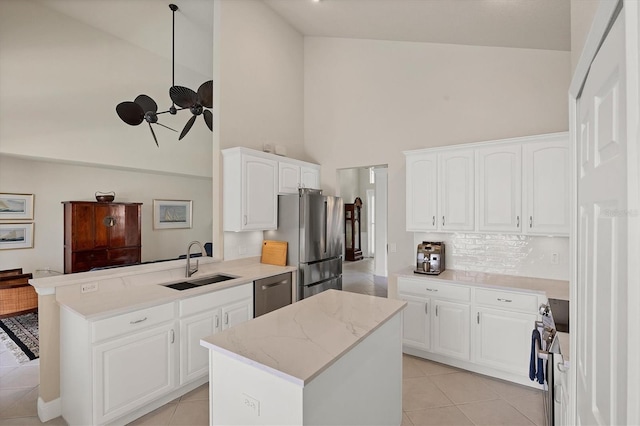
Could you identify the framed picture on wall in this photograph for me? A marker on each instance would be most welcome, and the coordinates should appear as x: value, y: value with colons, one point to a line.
x: 16, y: 206
x: 172, y: 214
x: 16, y: 236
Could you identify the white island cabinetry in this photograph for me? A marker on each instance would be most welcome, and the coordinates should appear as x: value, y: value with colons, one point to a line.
x: 334, y: 358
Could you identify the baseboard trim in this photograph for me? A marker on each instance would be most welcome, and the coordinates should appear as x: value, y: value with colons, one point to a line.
x: 49, y: 410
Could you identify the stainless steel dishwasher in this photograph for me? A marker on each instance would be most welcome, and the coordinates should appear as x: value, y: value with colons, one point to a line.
x: 271, y: 293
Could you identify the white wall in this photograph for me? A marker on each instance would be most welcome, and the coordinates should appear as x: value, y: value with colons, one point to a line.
x: 366, y: 101
x: 52, y: 183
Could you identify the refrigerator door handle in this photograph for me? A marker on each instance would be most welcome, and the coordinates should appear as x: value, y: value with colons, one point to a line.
x: 326, y: 219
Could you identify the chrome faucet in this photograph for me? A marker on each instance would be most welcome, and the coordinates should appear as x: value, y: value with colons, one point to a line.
x: 190, y: 271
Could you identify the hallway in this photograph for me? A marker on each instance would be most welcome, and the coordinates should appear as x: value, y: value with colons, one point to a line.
x: 357, y: 277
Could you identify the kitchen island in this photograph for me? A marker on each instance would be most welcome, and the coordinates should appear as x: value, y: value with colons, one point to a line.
x: 333, y: 358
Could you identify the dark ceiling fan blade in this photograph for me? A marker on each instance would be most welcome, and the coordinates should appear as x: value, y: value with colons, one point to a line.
x: 183, y: 96
x: 205, y: 94
x: 208, y: 118
x: 146, y: 103
x: 154, y: 135
x: 187, y: 127
x: 166, y: 127
x: 130, y: 112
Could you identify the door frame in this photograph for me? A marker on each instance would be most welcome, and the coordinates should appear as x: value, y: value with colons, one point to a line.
x: 605, y: 14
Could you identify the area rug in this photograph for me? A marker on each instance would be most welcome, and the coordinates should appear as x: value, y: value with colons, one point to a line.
x: 20, y: 335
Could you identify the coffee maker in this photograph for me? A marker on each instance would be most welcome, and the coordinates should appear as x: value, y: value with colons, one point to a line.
x: 430, y: 258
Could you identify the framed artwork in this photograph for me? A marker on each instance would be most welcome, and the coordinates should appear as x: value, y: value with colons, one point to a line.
x: 16, y: 236
x: 172, y: 214
x: 16, y: 206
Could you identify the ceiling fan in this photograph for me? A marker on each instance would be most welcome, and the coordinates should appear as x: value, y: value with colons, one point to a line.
x: 143, y: 108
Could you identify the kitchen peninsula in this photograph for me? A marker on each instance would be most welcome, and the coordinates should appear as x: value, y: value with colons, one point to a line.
x: 334, y: 358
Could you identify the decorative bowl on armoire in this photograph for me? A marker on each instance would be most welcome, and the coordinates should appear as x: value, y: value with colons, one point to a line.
x: 105, y: 197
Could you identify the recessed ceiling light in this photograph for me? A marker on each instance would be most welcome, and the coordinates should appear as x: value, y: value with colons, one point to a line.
x: 316, y: 1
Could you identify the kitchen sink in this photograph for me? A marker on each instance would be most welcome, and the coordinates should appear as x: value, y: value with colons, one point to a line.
x: 185, y: 285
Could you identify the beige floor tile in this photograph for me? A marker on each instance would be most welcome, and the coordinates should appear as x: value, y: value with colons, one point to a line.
x: 8, y: 360
x: 32, y: 421
x: 431, y: 368
x: 510, y: 390
x: 158, y: 417
x: 5, y: 370
x: 8, y: 397
x: 531, y: 406
x: 493, y: 413
x: 26, y: 406
x: 410, y: 368
x: 441, y: 416
x: 405, y: 420
x: 26, y: 376
x: 191, y: 413
x: 419, y: 393
x: 463, y: 387
x: 199, y: 393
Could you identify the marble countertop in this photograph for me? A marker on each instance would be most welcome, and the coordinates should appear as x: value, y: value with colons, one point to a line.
x: 126, y: 289
x: 301, y: 340
x: 556, y: 289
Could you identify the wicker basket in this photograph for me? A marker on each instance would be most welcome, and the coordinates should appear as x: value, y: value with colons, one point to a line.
x: 17, y: 296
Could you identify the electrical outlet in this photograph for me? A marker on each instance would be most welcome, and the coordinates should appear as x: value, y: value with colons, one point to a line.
x: 89, y: 287
x: 555, y: 258
x: 252, y: 404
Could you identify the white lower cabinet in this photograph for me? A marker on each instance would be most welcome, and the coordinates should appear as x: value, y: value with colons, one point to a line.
x: 562, y: 414
x: 115, y: 369
x: 133, y: 370
x: 451, y: 329
x: 477, y: 328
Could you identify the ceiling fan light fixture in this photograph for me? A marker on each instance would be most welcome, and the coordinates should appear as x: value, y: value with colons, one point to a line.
x: 143, y: 108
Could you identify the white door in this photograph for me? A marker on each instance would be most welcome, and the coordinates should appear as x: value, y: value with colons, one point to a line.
x: 194, y: 358
x: 422, y: 195
x: 499, y: 183
x: 288, y: 178
x: 600, y: 355
x: 260, y: 193
x: 456, y: 191
x: 236, y: 313
x: 310, y: 177
x: 451, y: 329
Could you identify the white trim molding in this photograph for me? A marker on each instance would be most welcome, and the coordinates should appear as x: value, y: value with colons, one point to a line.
x: 49, y: 410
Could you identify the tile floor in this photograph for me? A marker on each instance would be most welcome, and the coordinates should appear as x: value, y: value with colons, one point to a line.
x: 433, y: 394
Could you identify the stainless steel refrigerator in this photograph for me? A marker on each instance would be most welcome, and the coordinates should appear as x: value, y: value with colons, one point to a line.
x: 313, y: 226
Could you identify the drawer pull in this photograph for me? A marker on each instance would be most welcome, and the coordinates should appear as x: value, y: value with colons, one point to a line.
x: 436, y: 310
x: 226, y: 318
x: 530, y: 221
x: 173, y: 336
x: 217, y: 321
x: 426, y: 308
x: 433, y: 222
x: 138, y: 321
x: 432, y: 289
x: 478, y: 317
x: 517, y: 221
x: 505, y: 300
x: 442, y: 220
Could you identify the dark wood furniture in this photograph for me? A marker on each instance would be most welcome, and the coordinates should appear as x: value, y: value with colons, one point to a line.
x: 101, y: 234
x: 17, y: 296
x: 352, y: 239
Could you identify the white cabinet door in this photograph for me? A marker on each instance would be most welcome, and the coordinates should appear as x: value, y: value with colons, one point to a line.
x: 289, y: 178
x: 456, y: 190
x: 451, y: 329
x: 132, y: 371
x: 503, y: 339
x: 236, y: 313
x: 546, y: 186
x: 422, y: 192
x: 416, y: 324
x: 310, y: 177
x: 260, y: 193
x: 194, y: 358
x: 499, y: 188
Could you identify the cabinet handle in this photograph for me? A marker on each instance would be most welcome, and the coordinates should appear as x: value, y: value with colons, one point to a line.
x: 517, y: 221
x: 217, y: 321
x: 530, y: 221
x: 436, y: 310
x: 109, y: 221
x: 426, y: 308
x: 478, y: 317
x: 505, y: 300
x: 442, y: 220
x: 562, y: 368
x: 138, y: 321
x: 431, y: 289
x: 226, y: 318
x: 245, y: 219
x: 173, y: 336
x: 557, y: 393
x: 433, y: 222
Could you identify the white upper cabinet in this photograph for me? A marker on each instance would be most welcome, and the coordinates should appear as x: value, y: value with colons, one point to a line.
x: 456, y: 190
x: 518, y: 185
x: 310, y: 176
x: 250, y: 191
x: 499, y: 188
x: 289, y: 178
x: 422, y: 192
x: 546, y: 186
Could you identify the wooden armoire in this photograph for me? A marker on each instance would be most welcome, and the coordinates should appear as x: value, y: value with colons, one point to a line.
x: 100, y: 234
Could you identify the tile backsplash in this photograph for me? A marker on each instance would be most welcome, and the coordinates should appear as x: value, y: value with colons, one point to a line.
x: 509, y: 254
